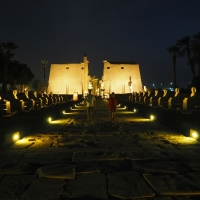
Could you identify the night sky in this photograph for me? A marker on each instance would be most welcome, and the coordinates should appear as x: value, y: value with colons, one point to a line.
x: 117, y: 30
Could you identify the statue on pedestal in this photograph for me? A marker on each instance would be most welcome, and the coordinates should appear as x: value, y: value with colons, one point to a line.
x: 90, y: 85
x: 102, y: 87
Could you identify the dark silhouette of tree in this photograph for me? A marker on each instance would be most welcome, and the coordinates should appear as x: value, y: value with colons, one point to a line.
x: 44, y: 63
x: 195, y: 49
x: 174, y: 51
x: 2, y: 58
x: 184, y: 46
x: 19, y: 74
x: 7, y: 52
x: 36, y: 84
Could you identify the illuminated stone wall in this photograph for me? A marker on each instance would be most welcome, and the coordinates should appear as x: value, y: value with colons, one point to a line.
x: 66, y: 78
x: 69, y: 78
x: 121, y: 78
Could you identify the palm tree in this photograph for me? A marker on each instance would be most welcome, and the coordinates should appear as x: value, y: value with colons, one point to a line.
x: 8, y: 47
x: 174, y: 51
x: 44, y: 63
x: 195, y: 49
x: 184, y: 46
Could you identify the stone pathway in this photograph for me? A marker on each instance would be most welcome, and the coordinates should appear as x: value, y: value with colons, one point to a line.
x: 133, y: 158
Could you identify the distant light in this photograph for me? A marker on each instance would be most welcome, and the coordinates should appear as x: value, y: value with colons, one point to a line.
x: 194, y: 134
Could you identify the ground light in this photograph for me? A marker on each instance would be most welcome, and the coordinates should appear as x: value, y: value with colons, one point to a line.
x: 15, y: 136
x: 12, y: 137
x: 49, y: 119
x: 194, y: 134
x: 152, y: 117
x: 135, y: 110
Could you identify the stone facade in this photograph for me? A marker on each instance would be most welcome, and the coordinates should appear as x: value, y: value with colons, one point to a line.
x: 121, y: 78
x: 69, y: 78
x: 73, y: 78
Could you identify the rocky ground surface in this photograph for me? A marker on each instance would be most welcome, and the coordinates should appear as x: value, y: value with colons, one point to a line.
x: 132, y: 158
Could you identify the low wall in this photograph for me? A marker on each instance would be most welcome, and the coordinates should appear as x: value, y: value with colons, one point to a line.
x: 27, y: 122
x: 179, y: 121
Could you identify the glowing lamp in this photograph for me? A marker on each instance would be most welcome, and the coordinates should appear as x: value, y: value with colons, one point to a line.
x: 12, y: 137
x: 15, y: 136
x: 194, y: 134
x: 134, y: 110
x: 49, y: 119
x: 152, y: 117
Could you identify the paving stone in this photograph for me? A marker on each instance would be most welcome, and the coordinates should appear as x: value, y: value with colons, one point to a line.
x: 178, y: 139
x: 175, y: 184
x: 87, y: 186
x: 45, y: 189
x: 168, y: 198
x: 128, y: 185
x: 168, y: 147
x: 19, y: 168
x: 41, y: 144
x: 76, y: 141
x: 194, y: 165
x: 59, y: 171
x: 128, y: 149
x: 131, y: 144
x: 111, y: 166
x: 15, y: 186
x: 108, y: 141
x: 151, y: 145
x: 128, y: 142
x: 48, y: 156
x: 87, y: 167
x: 189, y: 147
x: 94, y: 149
x: 187, y: 155
x: 10, y: 156
x: 103, y: 133
x: 21, y: 144
x: 145, y: 155
x: 79, y: 156
x: 155, y: 166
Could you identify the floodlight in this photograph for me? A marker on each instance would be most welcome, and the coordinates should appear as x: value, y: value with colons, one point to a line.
x: 49, y: 119
x: 194, y: 134
x: 152, y: 117
x: 15, y: 136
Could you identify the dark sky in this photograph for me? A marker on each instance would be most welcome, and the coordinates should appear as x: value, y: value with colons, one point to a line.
x: 117, y: 30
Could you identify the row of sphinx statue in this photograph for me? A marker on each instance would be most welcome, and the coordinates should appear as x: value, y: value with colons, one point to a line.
x: 167, y: 99
x: 26, y: 101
